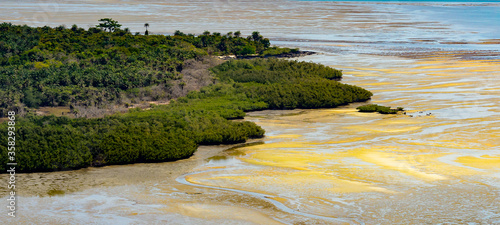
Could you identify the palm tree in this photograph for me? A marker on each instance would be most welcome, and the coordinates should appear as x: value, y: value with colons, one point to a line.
x: 146, y: 25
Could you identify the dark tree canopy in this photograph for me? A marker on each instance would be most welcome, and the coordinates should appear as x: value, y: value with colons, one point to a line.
x: 108, y: 24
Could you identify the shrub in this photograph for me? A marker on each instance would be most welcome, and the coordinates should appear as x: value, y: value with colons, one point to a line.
x: 379, y: 109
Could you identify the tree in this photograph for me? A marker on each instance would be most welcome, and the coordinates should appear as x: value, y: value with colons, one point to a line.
x: 237, y: 34
x: 256, y: 36
x: 108, y: 24
x: 146, y: 25
x: 247, y: 50
x: 179, y: 33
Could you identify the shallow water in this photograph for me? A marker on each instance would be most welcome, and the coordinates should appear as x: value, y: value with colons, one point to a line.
x: 439, y: 163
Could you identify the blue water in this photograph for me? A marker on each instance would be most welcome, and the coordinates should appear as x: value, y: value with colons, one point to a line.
x: 368, y: 25
x: 483, y: 19
x: 477, y: 19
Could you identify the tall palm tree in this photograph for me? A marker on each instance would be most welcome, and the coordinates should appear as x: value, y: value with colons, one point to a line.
x: 146, y: 25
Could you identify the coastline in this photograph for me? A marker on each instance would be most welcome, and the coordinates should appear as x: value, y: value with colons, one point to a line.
x: 283, y: 55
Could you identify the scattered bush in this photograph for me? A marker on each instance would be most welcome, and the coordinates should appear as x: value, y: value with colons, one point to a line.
x: 379, y: 109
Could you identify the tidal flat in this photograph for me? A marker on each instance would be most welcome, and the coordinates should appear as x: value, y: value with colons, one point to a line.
x: 323, y: 166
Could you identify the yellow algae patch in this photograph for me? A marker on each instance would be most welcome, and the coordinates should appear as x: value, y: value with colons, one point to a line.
x: 299, y: 160
x: 211, y: 179
x: 314, y: 114
x: 390, y: 100
x: 430, y: 87
x: 374, y: 69
x: 217, y: 212
x: 436, y: 163
x: 445, y: 71
x: 485, y: 162
x: 348, y: 140
x: 192, y: 180
x: 491, y: 89
x: 383, y: 129
x: 278, y: 124
x: 442, y: 144
x: 417, y: 160
x: 484, y: 70
x: 351, y: 111
x: 445, y: 66
x: 363, y: 114
x: 215, y: 167
x: 407, y: 72
x: 394, y: 124
x: 375, y: 84
x: 387, y: 159
x: 279, y: 199
x: 318, y: 181
x: 401, y: 121
x: 363, y: 73
x: 289, y: 164
x: 338, y: 185
x: 275, y: 145
x: 399, y: 163
x: 435, y: 144
x: 344, y: 110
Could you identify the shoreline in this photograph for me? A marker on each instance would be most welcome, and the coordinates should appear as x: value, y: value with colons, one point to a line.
x: 43, y: 184
x: 280, y: 56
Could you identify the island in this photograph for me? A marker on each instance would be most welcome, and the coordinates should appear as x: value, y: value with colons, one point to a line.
x: 131, y: 98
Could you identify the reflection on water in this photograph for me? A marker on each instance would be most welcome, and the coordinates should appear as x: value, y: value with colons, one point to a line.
x: 439, y: 163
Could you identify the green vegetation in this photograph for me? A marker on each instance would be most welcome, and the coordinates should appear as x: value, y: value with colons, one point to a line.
x: 163, y: 133
x: 109, y: 24
x: 60, y: 67
x: 273, y: 71
x: 146, y: 25
x: 36, y: 72
x: 278, y: 51
x: 284, y: 84
x: 379, y: 109
x: 229, y: 44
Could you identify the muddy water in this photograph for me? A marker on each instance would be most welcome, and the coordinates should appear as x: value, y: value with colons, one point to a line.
x: 439, y: 163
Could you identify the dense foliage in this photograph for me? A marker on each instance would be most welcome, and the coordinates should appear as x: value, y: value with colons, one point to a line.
x: 273, y: 71
x: 379, y: 109
x: 57, y: 66
x: 284, y: 84
x: 161, y: 133
x: 232, y: 43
